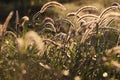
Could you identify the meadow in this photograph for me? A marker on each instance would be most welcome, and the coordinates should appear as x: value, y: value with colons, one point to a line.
x: 77, y: 45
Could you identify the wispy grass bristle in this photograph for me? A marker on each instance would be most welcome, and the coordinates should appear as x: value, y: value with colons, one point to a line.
x: 111, y: 15
x: 51, y: 41
x: 107, y: 9
x: 10, y: 33
x: 52, y: 3
x: 114, y: 15
x: 116, y: 65
x: 86, y: 34
x: 113, y: 51
x: 51, y: 27
x: 17, y: 19
x: 115, y: 4
x: 87, y: 8
x: 48, y: 19
x: 7, y: 21
x: 23, y: 20
x: 71, y: 14
x: 87, y: 15
x: 30, y: 38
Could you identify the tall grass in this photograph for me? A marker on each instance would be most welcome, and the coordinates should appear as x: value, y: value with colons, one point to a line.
x: 61, y: 49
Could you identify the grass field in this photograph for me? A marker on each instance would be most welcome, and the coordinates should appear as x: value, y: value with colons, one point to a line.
x: 79, y: 40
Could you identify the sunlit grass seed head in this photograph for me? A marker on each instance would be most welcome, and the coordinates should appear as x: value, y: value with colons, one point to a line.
x: 71, y: 14
x: 108, y: 9
x: 24, y: 19
x: 0, y: 30
x: 115, y: 4
x: 48, y: 19
x: 52, y: 3
x: 33, y: 37
x: 116, y: 65
x: 5, y: 25
x: 20, y: 44
x: 113, y: 51
x: 114, y: 15
x: 87, y: 15
x: 87, y: 8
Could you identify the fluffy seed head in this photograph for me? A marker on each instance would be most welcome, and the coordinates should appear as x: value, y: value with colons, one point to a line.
x: 52, y: 3
x: 107, y: 9
x: 116, y: 65
x: 7, y: 21
x: 114, y: 15
x: 115, y: 4
x: 87, y: 8
x: 87, y: 15
x: 71, y: 14
x: 48, y: 19
x: 26, y: 18
x: 32, y: 37
x: 20, y: 44
x: 0, y: 30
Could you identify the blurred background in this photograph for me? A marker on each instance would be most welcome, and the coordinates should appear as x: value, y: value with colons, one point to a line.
x: 30, y: 7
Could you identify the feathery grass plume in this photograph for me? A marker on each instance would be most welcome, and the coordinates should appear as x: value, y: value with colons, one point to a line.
x: 52, y: 3
x: 17, y: 19
x: 10, y: 32
x: 51, y: 27
x: 1, y: 30
x: 82, y: 26
x: 109, y: 22
x: 114, y: 50
x: 85, y: 25
x: 30, y: 38
x: 66, y: 21
x: 87, y: 8
x: 33, y: 37
x: 113, y: 15
x: 7, y: 21
x: 105, y: 22
x: 116, y: 64
x: 80, y: 29
x: 110, y: 28
x: 87, y: 15
x: 115, y: 4
x: 107, y: 9
x: 101, y: 21
x: 61, y: 36
x: 73, y: 14
x: 36, y: 15
x: 48, y: 19
x: 20, y: 44
x: 118, y: 41
x: 86, y: 34
x: 23, y: 20
x: 52, y: 42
